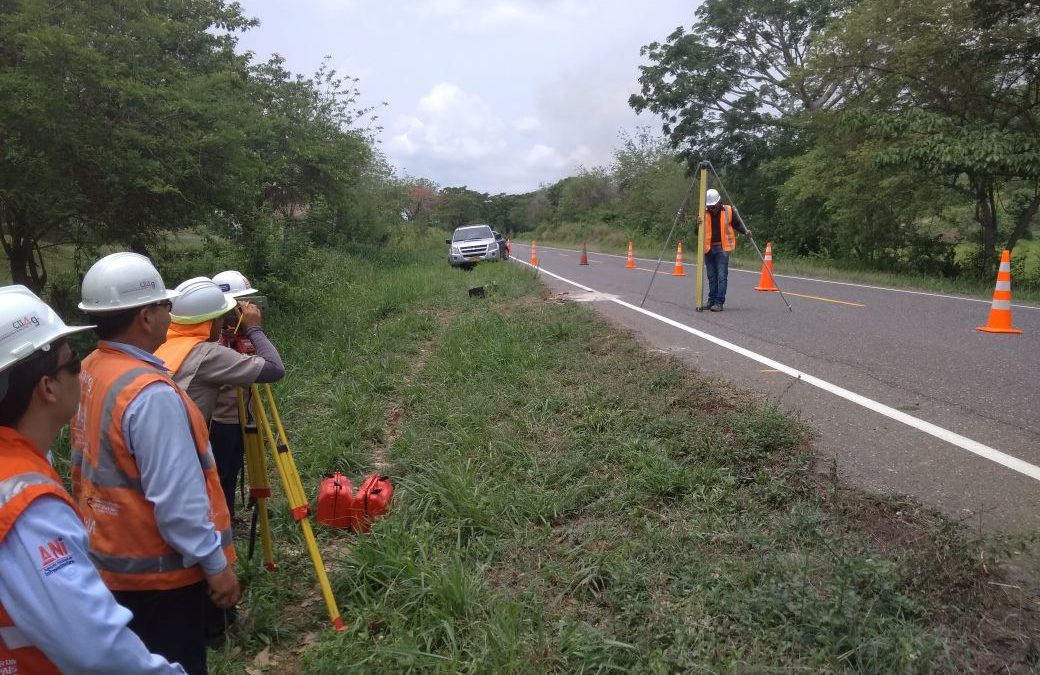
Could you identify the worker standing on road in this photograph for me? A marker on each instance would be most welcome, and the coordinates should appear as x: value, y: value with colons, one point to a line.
x: 142, y: 470
x: 719, y: 242
x: 56, y: 615
x: 201, y: 367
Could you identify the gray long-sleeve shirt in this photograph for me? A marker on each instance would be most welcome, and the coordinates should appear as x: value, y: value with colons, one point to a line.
x: 210, y: 368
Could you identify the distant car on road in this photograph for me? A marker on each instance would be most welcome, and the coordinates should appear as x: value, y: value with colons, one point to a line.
x: 471, y: 244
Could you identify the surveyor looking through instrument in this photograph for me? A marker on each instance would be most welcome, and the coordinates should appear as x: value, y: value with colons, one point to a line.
x: 142, y: 471
x: 206, y: 320
x: 44, y: 562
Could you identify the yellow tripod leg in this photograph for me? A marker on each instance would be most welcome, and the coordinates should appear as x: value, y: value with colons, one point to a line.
x: 294, y: 473
x: 256, y: 474
x: 703, y: 183
x: 298, y: 505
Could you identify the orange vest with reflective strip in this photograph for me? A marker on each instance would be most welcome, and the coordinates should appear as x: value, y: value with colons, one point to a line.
x: 24, y: 477
x: 125, y: 543
x: 729, y: 238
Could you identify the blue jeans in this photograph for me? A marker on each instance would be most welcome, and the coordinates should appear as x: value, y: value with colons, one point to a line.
x: 716, y: 264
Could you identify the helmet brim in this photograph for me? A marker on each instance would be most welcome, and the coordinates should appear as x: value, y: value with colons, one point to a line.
x: 59, y: 335
x: 168, y: 294
x: 229, y: 304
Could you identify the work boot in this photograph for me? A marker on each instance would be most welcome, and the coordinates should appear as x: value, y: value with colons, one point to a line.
x: 715, y: 308
x: 705, y: 307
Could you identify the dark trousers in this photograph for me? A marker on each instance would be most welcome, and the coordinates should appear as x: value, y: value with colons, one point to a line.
x: 170, y: 623
x: 716, y: 264
x: 229, y: 454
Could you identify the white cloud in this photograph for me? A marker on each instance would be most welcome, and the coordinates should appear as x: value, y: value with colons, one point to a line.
x: 499, y: 95
x: 451, y: 125
x: 527, y: 124
x: 544, y: 156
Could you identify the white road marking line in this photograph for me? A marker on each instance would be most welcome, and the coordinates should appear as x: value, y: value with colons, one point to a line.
x: 963, y: 442
x: 827, y: 281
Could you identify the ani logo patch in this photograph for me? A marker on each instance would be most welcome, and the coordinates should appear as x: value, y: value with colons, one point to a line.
x: 54, y: 556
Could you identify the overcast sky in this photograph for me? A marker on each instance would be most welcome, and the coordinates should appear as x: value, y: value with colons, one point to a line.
x: 497, y: 95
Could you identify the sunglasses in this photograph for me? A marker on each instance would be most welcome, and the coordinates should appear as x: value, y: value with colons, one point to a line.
x: 163, y: 303
x: 72, y: 365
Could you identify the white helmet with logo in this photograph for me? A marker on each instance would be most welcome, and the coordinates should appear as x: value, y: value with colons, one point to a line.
x: 122, y: 281
x: 200, y: 300
x: 712, y: 197
x: 27, y: 325
x: 234, y: 283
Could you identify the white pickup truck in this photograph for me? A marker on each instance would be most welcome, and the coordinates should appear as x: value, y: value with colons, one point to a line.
x: 473, y: 243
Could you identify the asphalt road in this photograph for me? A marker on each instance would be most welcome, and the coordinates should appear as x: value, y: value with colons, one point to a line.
x: 906, y: 395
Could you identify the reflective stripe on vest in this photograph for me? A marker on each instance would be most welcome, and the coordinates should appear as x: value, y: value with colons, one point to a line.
x: 129, y: 565
x: 107, y: 473
x: 13, y: 486
x: 14, y: 638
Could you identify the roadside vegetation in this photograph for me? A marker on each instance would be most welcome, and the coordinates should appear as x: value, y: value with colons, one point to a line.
x: 568, y: 502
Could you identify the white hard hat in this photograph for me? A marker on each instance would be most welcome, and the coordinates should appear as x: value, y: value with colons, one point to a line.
x: 27, y: 325
x: 234, y: 283
x: 200, y: 300
x: 122, y: 281
x: 712, y: 197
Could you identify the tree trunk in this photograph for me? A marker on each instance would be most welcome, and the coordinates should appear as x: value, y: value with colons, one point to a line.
x: 1025, y: 219
x: 23, y: 252
x: 986, y: 216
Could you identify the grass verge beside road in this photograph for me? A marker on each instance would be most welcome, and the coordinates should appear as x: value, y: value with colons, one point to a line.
x: 569, y: 502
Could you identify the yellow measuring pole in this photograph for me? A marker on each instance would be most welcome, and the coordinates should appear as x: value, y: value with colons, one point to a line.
x: 293, y: 489
x: 703, y: 186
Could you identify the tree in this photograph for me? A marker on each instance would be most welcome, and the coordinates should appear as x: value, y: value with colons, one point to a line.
x: 120, y: 119
x: 652, y: 181
x: 306, y: 137
x: 948, y: 94
x: 422, y: 200
x: 727, y: 86
x: 458, y: 206
x: 583, y: 195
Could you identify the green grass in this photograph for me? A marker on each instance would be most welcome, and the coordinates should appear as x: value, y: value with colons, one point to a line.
x: 604, y: 239
x: 568, y: 502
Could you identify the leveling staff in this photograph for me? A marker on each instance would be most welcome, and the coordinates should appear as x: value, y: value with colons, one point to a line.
x: 142, y: 469
x: 56, y: 615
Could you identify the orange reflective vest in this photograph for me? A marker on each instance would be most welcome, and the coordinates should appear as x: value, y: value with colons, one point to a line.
x: 125, y: 544
x: 729, y: 239
x: 180, y: 340
x: 24, y: 477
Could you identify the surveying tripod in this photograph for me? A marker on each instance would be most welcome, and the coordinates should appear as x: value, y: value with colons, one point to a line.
x: 258, y: 435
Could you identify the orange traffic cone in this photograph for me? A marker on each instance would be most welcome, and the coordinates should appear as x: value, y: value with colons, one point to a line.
x: 631, y: 263
x: 1000, y: 310
x: 584, y: 255
x: 678, y: 271
x: 534, y: 253
x: 765, y: 280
